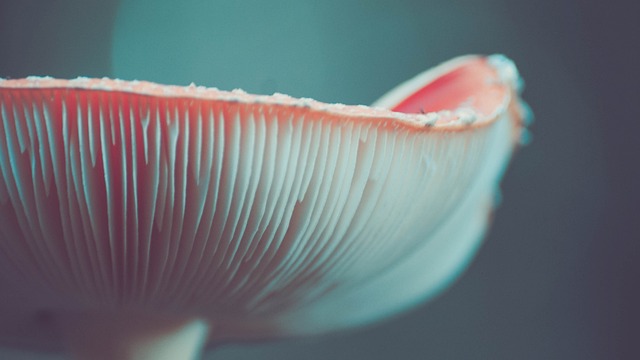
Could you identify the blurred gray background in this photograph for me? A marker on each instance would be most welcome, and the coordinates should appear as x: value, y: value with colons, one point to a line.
x: 557, y: 277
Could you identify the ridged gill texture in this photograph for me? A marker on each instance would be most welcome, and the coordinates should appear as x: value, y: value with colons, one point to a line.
x: 267, y: 215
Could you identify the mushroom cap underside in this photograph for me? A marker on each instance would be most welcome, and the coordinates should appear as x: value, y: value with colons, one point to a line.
x: 267, y: 215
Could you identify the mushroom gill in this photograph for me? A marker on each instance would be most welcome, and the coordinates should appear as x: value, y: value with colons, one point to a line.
x: 259, y: 215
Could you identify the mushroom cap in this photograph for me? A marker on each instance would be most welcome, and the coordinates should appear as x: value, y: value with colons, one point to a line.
x: 265, y: 215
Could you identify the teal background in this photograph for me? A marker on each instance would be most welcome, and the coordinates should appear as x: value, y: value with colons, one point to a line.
x: 557, y: 277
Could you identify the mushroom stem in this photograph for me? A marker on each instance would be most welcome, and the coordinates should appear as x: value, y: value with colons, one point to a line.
x: 109, y: 336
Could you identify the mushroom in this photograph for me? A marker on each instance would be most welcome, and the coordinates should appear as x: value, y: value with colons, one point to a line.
x: 143, y: 221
